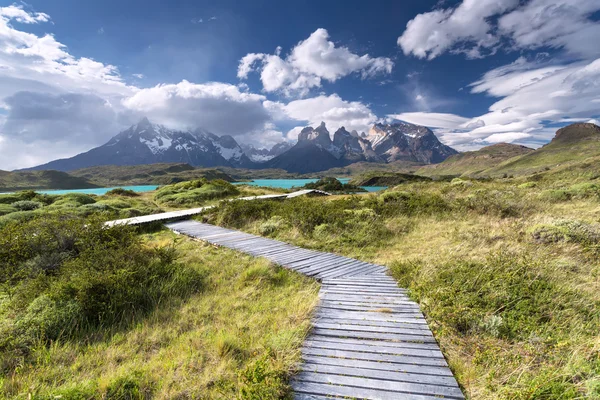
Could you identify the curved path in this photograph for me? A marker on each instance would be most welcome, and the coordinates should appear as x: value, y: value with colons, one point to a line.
x: 369, y: 340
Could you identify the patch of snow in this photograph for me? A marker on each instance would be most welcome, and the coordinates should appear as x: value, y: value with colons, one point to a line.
x: 261, y: 158
x: 157, y: 144
x: 228, y: 154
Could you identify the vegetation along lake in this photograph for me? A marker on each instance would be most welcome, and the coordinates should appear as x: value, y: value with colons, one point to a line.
x: 290, y: 183
x: 274, y: 183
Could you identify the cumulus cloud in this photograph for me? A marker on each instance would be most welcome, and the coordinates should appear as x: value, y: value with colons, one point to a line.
x: 218, y: 107
x: 310, y: 61
x: 332, y: 110
x: 531, y: 96
x: 432, y: 120
x: 430, y: 34
x: 477, y: 27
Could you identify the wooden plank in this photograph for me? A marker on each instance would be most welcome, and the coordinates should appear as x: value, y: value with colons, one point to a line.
x: 373, y: 316
x: 380, y: 374
x: 378, y: 336
x: 379, y: 365
x: 378, y: 384
x: 369, y: 328
x: 341, y: 345
x: 372, y: 323
x: 350, y: 392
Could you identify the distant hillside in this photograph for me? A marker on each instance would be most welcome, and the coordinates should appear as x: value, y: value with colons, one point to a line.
x: 147, y: 174
x: 20, y: 180
x: 382, y: 178
x: 364, y: 167
x: 472, y: 163
x: 571, y: 145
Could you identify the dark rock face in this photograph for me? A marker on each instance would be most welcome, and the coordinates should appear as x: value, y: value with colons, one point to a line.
x: 407, y: 142
x: 304, y: 157
x: 352, y: 148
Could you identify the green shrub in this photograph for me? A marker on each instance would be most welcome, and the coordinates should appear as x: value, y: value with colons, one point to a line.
x: 195, y: 192
x: 6, y: 209
x: 556, y: 195
x: 272, y: 225
x: 18, y: 217
x: 63, y: 273
x: 122, y: 192
x: 129, y: 387
x: 566, y: 230
x: 26, y: 205
x: 79, y: 198
x: 261, y: 380
x: 463, y: 295
x: 527, y: 185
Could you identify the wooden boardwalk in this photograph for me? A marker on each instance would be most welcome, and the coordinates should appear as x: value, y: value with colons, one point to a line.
x: 180, y: 214
x: 369, y: 340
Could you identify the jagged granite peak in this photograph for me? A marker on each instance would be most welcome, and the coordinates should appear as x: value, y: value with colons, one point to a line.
x: 148, y: 143
x: 408, y: 142
x: 319, y: 136
x: 353, y: 148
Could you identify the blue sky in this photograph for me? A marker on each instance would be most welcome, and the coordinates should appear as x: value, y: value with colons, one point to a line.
x: 478, y: 72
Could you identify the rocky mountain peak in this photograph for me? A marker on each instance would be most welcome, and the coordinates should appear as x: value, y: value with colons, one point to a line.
x: 319, y: 136
x: 577, y: 131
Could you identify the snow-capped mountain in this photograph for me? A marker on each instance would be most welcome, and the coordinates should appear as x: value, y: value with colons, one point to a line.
x: 408, y: 142
x: 262, y: 154
x: 147, y: 143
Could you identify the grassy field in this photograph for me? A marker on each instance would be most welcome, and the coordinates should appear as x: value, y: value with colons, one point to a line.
x: 90, y: 313
x: 506, y: 271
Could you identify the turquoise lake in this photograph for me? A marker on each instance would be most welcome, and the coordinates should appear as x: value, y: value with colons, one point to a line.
x: 290, y: 183
x: 100, y: 191
x: 274, y: 183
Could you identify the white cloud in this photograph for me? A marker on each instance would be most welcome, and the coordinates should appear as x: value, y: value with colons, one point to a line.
x: 332, y: 110
x: 532, y: 95
x: 506, y: 137
x: 310, y: 61
x: 430, y: 34
x: 432, y: 120
x: 16, y: 12
x: 476, y: 28
x: 57, y: 105
x: 218, y: 107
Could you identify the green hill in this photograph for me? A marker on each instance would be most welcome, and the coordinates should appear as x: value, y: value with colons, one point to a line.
x: 472, y: 163
x: 19, y: 180
x: 572, y: 144
x: 147, y: 174
x: 575, y: 149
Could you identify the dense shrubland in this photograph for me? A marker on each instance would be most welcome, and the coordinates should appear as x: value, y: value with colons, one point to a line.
x: 88, y: 312
x: 195, y: 193
x: 506, y: 271
x: 332, y: 185
x: 117, y: 203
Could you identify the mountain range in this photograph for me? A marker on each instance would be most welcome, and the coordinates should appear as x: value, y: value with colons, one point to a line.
x: 315, y: 150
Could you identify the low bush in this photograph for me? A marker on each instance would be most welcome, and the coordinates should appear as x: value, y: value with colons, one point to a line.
x: 63, y: 274
x: 26, y: 205
x: 196, y: 192
x: 566, y: 230
x: 6, y: 209
x: 122, y: 192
